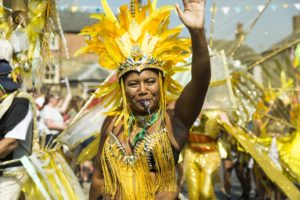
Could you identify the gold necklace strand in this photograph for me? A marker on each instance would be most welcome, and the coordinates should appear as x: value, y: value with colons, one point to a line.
x: 142, y: 120
x: 144, y: 129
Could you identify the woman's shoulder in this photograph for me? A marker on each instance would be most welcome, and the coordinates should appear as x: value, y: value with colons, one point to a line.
x: 109, y: 124
x: 171, y: 105
x: 177, y: 132
x: 170, y: 111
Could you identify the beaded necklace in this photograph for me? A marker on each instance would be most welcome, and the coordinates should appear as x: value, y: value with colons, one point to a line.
x: 146, y: 124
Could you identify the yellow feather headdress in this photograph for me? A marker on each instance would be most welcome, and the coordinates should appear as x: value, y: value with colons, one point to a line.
x: 136, y: 39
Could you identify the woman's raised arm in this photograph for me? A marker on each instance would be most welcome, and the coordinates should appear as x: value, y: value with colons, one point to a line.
x: 189, y: 103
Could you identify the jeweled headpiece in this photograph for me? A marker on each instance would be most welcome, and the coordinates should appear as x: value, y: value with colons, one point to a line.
x: 138, y: 38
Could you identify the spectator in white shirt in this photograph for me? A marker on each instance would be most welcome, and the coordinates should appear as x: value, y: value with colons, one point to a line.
x: 52, y: 116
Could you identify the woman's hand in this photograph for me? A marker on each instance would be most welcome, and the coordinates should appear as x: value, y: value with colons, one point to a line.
x: 193, y: 14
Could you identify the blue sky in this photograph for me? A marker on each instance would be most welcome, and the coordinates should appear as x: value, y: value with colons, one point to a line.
x: 273, y: 26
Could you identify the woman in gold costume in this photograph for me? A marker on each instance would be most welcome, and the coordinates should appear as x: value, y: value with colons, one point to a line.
x: 202, y: 159
x: 150, y: 115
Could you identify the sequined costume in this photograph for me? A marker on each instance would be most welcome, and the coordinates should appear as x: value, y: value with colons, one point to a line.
x: 129, y: 176
x: 202, y: 158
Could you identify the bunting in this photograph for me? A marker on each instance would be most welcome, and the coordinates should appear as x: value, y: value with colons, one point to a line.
x: 226, y: 10
x: 260, y: 8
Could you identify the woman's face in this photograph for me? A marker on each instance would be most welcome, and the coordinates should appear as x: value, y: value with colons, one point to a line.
x: 142, y: 91
x: 54, y: 100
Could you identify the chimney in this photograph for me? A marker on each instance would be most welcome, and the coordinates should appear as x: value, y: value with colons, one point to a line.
x: 239, y: 33
x: 19, y: 5
x: 15, y: 5
x: 296, y: 24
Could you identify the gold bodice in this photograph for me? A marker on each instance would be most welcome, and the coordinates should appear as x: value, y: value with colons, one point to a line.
x: 128, y: 176
x: 207, y: 124
x: 204, y: 133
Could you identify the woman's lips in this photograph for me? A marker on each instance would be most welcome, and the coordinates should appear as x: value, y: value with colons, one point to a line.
x: 144, y: 102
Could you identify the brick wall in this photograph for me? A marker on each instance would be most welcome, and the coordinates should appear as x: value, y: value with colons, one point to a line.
x: 75, y: 42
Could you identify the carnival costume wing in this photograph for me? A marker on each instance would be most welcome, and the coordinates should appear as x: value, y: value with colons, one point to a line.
x: 87, y: 127
x: 263, y: 160
x: 248, y: 94
x: 220, y: 94
x: 289, y: 152
x: 287, y: 148
x: 257, y: 102
x: 51, y: 178
x: 279, y: 119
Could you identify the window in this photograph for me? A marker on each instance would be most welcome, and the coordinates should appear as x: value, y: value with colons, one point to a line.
x: 51, y: 74
x: 54, y: 42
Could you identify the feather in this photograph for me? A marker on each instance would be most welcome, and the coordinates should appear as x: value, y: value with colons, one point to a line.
x: 108, y: 11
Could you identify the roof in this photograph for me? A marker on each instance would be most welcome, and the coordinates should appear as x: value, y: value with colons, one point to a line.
x: 245, y: 54
x: 73, y: 22
x: 90, y: 73
x: 273, y: 67
x: 284, y: 42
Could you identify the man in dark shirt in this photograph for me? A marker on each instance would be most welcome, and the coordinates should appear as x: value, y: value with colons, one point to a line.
x: 16, y: 133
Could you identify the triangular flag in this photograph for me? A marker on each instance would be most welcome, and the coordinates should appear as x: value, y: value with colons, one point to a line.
x: 63, y: 7
x: 260, y: 8
x: 297, y: 5
x: 285, y: 5
x: 237, y: 9
x: 247, y: 7
x: 212, y: 9
x: 225, y: 10
x: 273, y: 7
x: 84, y: 8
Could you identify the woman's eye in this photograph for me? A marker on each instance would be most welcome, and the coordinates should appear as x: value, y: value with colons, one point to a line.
x: 133, y: 84
x: 150, y: 81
